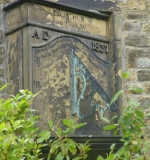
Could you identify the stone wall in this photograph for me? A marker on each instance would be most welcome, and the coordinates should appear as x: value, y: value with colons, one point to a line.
x: 135, y: 39
x: 2, y: 46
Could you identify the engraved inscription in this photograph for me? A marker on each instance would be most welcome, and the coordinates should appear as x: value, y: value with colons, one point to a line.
x: 99, y: 47
x: 75, y: 21
x: 51, y: 78
x: 35, y: 34
x: 45, y: 35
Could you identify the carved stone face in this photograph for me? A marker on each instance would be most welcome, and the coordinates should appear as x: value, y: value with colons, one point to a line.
x: 52, y: 77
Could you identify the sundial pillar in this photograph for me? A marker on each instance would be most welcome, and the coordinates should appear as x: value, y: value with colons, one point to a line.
x: 67, y: 55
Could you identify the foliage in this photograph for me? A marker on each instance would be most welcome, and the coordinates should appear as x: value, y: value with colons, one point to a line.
x: 131, y: 124
x: 17, y: 132
x: 20, y: 140
x: 61, y: 146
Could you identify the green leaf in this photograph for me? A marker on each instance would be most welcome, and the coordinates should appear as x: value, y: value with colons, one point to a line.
x: 59, y: 132
x: 2, y: 126
x: 72, y: 149
x: 110, y: 157
x: 109, y: 127
x: 54, y: 146
x: 139, y: 114
x: 71, y: 146
x: 45, y: 134
x: 116, y: 97
x: 115, y: 132
x: 100, y: 158
x: 67, y: 158
x: 136, y: 90
x: 3, y: 87
x: 59, y: 156
x: 112, y: 147
x: 126, y: 75
x: 85, y: 156
x: 50, y: 124
x: 119, y: 152
x: 64, y: 149
x: 22, y: 91
x: 68, y: 131
x: 68, y: 122
x: 105, y: 120
x: 77, y: 158
x: 113, y: 118
x: 40, y: 140
x: 79, y: 125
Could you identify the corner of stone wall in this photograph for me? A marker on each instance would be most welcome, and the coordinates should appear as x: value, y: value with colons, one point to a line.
x: 136, y: 48
x: 2, y: 48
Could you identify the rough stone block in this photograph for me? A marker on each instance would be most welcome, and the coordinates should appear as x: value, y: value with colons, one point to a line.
x: 143, y: 63
x: 1, y: 55
x: 137, y: 16
x: 1, y: 36
x: 2, y: 83
x: 132, y: 26
x: 135, y: 56
x: 1, y: 73
x: 6, y: 1
x: 145, y: 27
x: 135, y: 5
x: 144, y: 101
x: 143, y: 75
x: 132, y: 75
x: 137, y: 39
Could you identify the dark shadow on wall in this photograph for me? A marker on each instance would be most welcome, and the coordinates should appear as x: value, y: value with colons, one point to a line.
x: 91, y: 4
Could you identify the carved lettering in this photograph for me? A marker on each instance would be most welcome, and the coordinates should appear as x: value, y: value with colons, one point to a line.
x: 62, y: 18
x: 106, y: 49
x: 35, y: 34
x: 45, y: 35
x: 99, y: 47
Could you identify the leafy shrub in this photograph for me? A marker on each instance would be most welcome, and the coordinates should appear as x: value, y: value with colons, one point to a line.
x: 131, y: 124
x: 20, y: 140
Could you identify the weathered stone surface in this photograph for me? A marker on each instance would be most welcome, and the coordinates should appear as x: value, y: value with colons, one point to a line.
x: 2, y: 83
x: 137, y: 39
x: 132, y: 26
x: 143, y: 63
x: 1, y: 55
x: 4, y: 1
x: 135, y: 5
x: 145, y: 27
x: 1, y: 36
x: 137, y: 16
x: 147, y: 87
x: 144, y: 101
x: 132, y: 76
x: 135, y: 56
x: 143, y: 75
x: 1, y: 72
x: 118, y: 26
